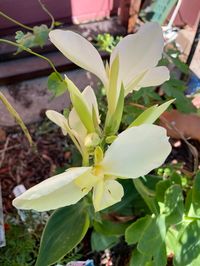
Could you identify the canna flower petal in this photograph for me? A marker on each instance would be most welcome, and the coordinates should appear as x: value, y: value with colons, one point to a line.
x: 80, y: 51
x: 54, y: 192
x: 58, y: 119
x: 139, y: 52
x: 107, y: 193
x: 136, y: 151
x: 154, y: 77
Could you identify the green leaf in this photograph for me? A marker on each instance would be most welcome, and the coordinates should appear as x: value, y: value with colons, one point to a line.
x: 80, y: 106
x: 180, y: 65
x: 161, y: 187
x: 56, y: 85
x: 134, y: 232
x: 101, y: 242
x: 196, y: 194
x: 139, y: 259
x: 150, y: 115
x: 152, y: 242
x: 175, y: 89
x: 111, y: 228
x: 173, y: 205
x: 189, y: 245
x: 148, y: 195
x: 64, y: 230
x: 171, y: 241
x: 41, y: 34
x: 27, y: 40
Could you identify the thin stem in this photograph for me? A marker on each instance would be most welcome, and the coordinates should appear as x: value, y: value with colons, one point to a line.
x: 48, y: 13
x: 15, y: 21
x: 34, y: 53
x: 17, y: 117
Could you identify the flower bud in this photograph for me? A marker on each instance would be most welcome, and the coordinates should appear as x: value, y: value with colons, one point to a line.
x: 92, y: 140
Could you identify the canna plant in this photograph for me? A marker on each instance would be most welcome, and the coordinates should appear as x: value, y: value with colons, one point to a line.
x: 80, y: 195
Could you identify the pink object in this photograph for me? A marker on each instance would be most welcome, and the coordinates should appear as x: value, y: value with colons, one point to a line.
x: 78, y: 11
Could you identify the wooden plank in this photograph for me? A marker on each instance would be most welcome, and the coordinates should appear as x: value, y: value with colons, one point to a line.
x: 32, y: 67
x: 88, y: 30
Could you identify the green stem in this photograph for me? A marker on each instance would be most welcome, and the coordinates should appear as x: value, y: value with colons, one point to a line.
x: 147, y: 195
x: 15, y: 21
x: 17, y: 117
x: 48, y: 13
x: 85, y: 159
x: 33, y: 53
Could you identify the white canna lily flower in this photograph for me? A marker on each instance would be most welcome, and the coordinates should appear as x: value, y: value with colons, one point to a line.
x: 73, y: 123
x: 133, y: 61
x: 134, y: 153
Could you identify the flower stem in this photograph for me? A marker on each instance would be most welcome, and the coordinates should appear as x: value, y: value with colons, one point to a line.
x: 15, y: 21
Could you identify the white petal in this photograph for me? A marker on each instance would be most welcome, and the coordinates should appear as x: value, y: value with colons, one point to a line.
x: 54, y: 192
x: 91, y: 100
x: 154, y: 77
x: 79, y: 51
x: 137, y: 151
x: 140, y: 51
x: 76, y: 125
x: 107, y: 193
x: 58, y: 119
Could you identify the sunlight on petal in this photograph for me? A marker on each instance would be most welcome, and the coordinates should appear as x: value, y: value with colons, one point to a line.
x: 106, y: 194
x: 137, y: 151
x: 54, y: 192
x: 80, y: 51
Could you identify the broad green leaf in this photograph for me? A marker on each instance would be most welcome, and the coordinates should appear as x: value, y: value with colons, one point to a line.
x: 196, y: 194
x: 188, y: 204
x: 173, y: 205
x: 139, y: 259
x: 56, y: 85
x: 80, y: 106
x: 152, y: 242
x: 111, y: 228
x: 148, y: 195
x: 161, y: 187
x: 64, y: 230
x: 189, y: 245
x: 101, y: 242
x: 134, y: 232
x: 150, y: 115
x: 171, y: 241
